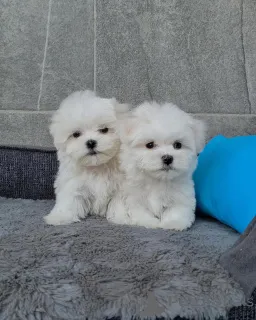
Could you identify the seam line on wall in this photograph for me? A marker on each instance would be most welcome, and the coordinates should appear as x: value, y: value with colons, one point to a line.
x: 95, y: 47
x: 244, y: 57
x: 45, y: 54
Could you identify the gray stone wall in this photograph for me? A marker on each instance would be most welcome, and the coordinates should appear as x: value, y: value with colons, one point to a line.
x: 199, y: 54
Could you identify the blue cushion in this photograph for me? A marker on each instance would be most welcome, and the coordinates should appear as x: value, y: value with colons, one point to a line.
x: 225, y: 180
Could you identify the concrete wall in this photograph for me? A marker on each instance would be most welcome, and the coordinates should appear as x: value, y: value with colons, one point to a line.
x: 199, y: 54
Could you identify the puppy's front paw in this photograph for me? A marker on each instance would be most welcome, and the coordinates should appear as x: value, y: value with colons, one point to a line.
x: 175, y: 224
x: 57, y: 217
x: 119, y: 217
x: 152, y: 224
x: 119, y: 220
x: 177, y: 219
x: 144, y: 219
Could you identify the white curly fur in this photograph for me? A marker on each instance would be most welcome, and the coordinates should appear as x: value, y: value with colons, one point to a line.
x: 85, y: 182
x: 153, y: 194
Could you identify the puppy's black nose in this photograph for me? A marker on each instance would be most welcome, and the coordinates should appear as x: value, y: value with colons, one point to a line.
x: 91, y: 144
x: 167, y: 159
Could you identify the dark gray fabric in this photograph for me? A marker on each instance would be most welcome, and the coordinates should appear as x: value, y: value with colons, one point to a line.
x: 240, y: 260
x: 27, y: 173
x: 246, y: 312
x: 94, y: 269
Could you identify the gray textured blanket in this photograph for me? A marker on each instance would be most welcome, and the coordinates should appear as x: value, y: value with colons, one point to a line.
x: 240, y: 260
x: 94, y: 269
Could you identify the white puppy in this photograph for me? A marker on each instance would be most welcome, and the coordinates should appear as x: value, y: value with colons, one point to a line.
x: 159, y: 151
x: 85, y: 135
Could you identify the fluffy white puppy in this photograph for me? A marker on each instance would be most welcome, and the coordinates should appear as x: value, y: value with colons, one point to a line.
x: 85, y: 135
x: 160, y: 144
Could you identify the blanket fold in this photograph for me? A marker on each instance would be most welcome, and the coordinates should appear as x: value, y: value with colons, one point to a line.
x: 240, y: 260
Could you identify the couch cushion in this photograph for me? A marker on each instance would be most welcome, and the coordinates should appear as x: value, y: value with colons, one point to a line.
x: 27, y: 173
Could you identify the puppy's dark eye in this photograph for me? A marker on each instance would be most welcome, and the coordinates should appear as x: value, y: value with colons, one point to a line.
x: 104, y: 130
x: 150, y: 145
x: 76, y: 134
x: 177, y: 145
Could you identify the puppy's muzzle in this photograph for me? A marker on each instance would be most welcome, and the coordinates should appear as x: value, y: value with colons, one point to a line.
x: 91, y: 144
x: 167, y: 159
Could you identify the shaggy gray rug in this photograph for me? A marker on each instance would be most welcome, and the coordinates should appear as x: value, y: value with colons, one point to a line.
x: 94, y: 269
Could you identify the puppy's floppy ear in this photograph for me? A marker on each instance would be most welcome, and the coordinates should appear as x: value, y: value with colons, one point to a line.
x: 126, y: 127
x: 58, y: 139
x: 199, y: 130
